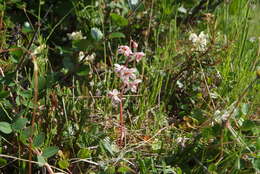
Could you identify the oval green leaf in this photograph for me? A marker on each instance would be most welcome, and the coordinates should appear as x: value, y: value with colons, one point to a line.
x: 116, y: 35
x: 39, y: 140
x: 96, y: 34
x: 50, y: 151
x: 19, y: 124
x: 5, y: 127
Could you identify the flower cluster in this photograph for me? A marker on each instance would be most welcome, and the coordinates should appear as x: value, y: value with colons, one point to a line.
x: 83, y: 57
x: 127, y: 75
x: 39, y: 49
x: 199, y: 42
x: 77, y: 35
x: 126, y: 51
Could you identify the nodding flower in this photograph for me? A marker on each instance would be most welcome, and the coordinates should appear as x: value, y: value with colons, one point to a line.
x: 114, y: 95
x: 133, y: 44
x: 125, y: 50
x: 138, y: 56
x: 125, y: 73
x: 132, y: 85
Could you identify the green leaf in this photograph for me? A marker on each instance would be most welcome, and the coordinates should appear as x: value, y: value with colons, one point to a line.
x: 84, y: 153
x: 124, y: 169
x: 19, y: 124
x: 107, y: 145
x: 41, y: 160
x: 245, y: 108
x: 50, y: 151
x: 5, y: 127
x: 83, y: 70
x: 39, y: 140
x: 248, y: 125
x: 25, y: 134
x: 64, y: 164
x: 3, y: 161
x: 256, y: 163
x: 96, y: 34
x: 4, y: 94
x: 116, y: 35
x: 119, y: 20
x: 111, y: 170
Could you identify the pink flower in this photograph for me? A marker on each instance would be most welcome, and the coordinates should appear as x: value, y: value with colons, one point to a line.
x: 114, y: 95
x: 133, y: 44
x: 128, y: 73
x: 138, y: 56
x: 125, y: 50
x: 125, y: 73
x: 133, y: 85
x: 119, y: 68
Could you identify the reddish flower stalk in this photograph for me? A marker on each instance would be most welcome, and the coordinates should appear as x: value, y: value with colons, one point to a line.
x: 122, y: 125
x: 130, y: 81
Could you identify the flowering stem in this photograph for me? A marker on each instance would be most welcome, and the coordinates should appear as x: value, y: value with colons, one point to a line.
x: 122, y: 126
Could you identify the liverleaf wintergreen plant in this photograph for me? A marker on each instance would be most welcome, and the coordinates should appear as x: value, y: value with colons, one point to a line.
x: 129, y: 78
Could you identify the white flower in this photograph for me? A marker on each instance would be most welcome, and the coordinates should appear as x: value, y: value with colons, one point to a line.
x: 114, y: 95
x: 81, y: 55
x: 91, y: 57
x: 199, y: 42
x: 182, y: 9
x: 182, y: 141
x: 39, y: 49
x: 76, y: 35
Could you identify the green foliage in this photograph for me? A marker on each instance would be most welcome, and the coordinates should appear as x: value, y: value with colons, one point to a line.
x: 5, y: 127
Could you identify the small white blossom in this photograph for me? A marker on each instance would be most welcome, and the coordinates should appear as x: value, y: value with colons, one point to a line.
x: 39, y: 49
x: 91, y: 57
x: 199, y: 42
x: 76, y: 35
x: 81, y: 55
x: 182, y: 141
x: 182, y: 10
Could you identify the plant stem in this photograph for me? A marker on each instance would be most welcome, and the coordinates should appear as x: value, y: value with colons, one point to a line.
x: 35, y: 73
x: 122, y: 126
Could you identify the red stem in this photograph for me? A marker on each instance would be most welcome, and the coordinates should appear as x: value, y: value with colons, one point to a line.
x: 122, y: 126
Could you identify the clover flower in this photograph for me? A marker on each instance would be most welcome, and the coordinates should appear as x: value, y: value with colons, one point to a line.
x: 87, y: 57
x: 114, y: 95
x: 76, y: 35
x: 199, y: 42
x: 81, y: 55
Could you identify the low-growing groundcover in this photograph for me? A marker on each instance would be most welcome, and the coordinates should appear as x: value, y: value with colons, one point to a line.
x: 129, y: 86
